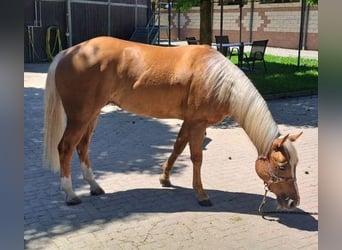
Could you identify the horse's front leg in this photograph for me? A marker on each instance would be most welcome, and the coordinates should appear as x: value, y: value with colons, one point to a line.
x: 178, y: 148
x: 82, y: 150
x: 197, y: 134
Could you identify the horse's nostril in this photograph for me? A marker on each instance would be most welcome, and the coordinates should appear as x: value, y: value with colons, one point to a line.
x: 287, y: 201
x: 291, y: 203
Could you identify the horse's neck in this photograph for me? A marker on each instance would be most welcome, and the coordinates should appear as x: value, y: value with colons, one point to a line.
x: 232, y: 88
x: 250, y: 110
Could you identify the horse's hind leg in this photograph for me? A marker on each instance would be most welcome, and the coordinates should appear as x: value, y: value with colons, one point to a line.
x: 182, y: 140
x: 82, y: 150
x: 71, y: 137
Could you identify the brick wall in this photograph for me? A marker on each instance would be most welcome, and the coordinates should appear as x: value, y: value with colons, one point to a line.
x: 279, y: 23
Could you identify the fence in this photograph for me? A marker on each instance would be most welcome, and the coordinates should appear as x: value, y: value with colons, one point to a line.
x: 77, y: 21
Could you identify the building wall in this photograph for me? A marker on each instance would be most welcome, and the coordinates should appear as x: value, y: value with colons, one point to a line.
x: 280, y: 23
x: 89, y: 19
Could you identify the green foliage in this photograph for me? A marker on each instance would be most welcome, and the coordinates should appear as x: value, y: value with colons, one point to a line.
x: 184, y: 5
x: 312, y: 2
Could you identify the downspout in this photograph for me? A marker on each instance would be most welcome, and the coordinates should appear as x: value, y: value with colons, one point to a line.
x: 69, y: 26
x: 37, y: 21
x: 109, y: 18
x: 136, y: 14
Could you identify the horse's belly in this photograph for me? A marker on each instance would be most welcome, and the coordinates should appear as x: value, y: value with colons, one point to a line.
x: 159, y: 105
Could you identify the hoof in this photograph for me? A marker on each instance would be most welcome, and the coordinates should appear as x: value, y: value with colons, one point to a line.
x: 165, y: 183
x: 205, y: 203
x: 73, y: 201
x: 97, y: 191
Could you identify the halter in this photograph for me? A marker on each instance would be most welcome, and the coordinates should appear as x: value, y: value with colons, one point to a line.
x: 277, y: 179
x: 273, y: 177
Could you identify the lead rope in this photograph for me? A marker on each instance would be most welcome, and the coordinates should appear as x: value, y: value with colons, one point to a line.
x: 263, y: 202
x: 263, y: 213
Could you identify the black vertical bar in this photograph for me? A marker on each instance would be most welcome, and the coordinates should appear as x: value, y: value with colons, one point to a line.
x: 159, y: 22
x: 251, y: 22
x: 241, y: 4
x: 221, y: 25
x: 221, y: 20
x: 169, y: 17
x: 301, y: 31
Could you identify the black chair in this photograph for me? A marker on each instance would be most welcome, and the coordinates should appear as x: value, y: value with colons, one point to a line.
x: 226, y: 51
x: 191, y: 40
x: 256, y: 54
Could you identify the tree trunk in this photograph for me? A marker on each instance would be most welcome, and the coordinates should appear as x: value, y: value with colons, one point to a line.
x: 206, y: 22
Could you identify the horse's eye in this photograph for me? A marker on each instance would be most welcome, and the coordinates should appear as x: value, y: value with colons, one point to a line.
x: 282, y: 165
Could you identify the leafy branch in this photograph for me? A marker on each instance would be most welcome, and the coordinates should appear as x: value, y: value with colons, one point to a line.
x: 312, y: 2
x: 184, y: 5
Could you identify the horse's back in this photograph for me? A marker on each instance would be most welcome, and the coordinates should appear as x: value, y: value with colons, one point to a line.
x: 100, y: 49
x: 143, y: 79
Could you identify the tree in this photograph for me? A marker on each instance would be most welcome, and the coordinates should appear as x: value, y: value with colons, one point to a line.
x: 184, y: 5
x: 206, y: 30
x: 205, y: 16
x: 312, y: 2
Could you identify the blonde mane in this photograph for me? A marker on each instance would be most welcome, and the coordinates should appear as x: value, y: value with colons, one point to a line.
x: 233, y: 89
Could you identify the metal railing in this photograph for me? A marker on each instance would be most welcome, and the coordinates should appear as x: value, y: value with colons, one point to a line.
x: 151, y: 26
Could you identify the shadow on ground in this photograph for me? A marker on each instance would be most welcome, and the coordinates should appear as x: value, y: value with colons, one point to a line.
x: 42, y: 198
x: 298, y: 112
x: 137, y: 203
x: 36, y: 67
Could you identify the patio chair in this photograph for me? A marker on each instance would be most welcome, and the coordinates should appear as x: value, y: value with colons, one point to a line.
x: 226, y: 51
x: 191, y: 40
x: 256, y: 54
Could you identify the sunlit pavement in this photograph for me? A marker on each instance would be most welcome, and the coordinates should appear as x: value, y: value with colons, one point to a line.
x: 137, y: 213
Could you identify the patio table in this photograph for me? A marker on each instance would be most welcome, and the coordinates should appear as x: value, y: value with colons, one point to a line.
x: 241, y: 46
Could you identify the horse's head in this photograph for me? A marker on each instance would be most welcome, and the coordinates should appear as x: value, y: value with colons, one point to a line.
x: 278, y: 171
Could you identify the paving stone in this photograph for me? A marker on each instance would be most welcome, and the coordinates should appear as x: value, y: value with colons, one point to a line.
x: 136, y: 213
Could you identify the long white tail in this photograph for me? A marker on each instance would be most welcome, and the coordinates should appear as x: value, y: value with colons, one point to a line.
x: 54, y: 120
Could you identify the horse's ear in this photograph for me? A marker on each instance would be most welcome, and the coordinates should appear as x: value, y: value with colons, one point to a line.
x: 295, y: 137
x: 281, y: 141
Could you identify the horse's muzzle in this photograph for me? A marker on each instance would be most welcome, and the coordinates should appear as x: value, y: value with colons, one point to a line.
x: 286, y: 202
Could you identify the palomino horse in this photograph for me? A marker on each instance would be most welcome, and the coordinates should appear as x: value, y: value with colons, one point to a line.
x: 193, y: 83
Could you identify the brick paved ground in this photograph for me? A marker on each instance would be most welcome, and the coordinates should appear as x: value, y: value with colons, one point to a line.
x: 136, y: 213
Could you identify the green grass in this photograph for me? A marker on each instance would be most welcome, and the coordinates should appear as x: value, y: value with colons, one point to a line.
x: 283, y: 75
